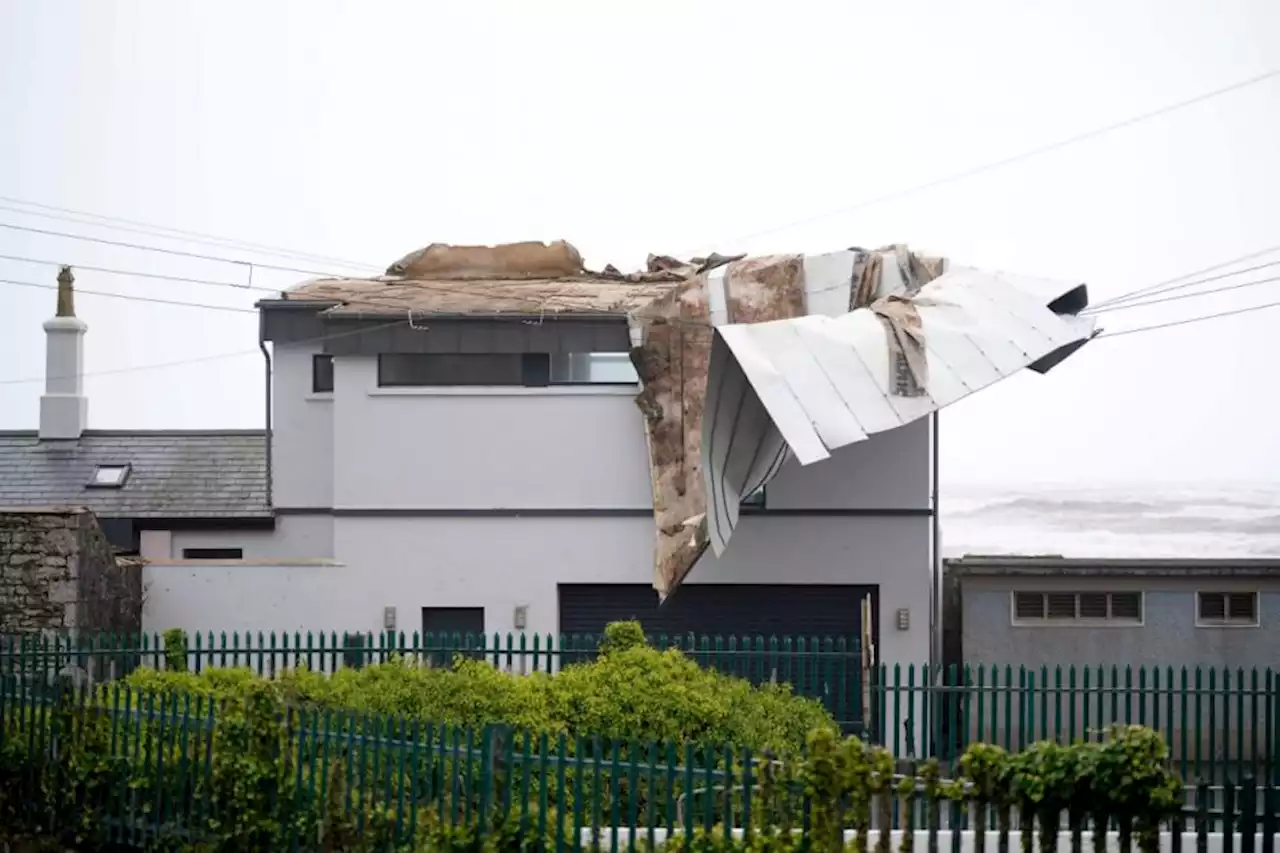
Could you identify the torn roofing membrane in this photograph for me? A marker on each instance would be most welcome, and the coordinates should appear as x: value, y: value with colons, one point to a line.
x: 809, y: 354
x: 747, y: 362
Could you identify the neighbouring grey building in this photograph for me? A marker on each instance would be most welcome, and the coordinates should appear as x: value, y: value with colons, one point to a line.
x: 1153, y: 634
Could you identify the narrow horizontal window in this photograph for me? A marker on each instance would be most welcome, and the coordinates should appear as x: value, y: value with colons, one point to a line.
x: 530, y: 369
x: 1078, y: 608
x: 212, y: 553
x: 435, y: 369
x: 321, y: 374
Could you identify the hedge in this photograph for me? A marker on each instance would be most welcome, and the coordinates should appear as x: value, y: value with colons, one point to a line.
x: 631, y: 692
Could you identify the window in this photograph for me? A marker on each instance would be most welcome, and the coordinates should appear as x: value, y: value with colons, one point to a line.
x: 322, y: 374
x: 755, y: 499
x: 109, y: 476
x: 212, y: 554
x: 529, y: 370
x: 1227, y: 608
x: 593, y: 368
x: 1080, y: 608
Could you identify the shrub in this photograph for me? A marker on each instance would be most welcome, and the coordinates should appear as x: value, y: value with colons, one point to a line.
x: 631, y: 692
x: 622, y: 636
x: 175, y: 650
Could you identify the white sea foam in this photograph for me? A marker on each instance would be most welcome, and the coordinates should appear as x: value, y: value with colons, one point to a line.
x: 1113, y: 521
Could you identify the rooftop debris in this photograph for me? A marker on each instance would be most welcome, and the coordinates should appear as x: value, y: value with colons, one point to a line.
x: 788, y: 356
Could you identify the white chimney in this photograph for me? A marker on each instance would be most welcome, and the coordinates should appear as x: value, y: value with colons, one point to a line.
x: 64, y: 410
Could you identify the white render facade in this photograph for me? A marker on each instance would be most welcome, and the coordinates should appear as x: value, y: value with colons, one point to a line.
x: 493, y: 498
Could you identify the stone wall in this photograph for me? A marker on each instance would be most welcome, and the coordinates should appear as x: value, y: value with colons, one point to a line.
x: 58, y: 573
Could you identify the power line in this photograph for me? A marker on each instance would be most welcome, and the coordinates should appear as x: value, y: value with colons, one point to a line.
x: 139, y: 274
x: 132, y: 297
x: 140, y: 227
x: 1189, y: 320
x: 176, y: 252
x: 1016, y: 158
x: 205, y: 358
x: 1211, y: 291
x: 1165, y: 286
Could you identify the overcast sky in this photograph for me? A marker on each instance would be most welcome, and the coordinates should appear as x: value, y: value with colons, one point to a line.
x: 362, y: 130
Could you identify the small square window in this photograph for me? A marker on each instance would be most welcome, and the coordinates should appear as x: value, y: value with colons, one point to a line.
x: 1126, y: 606
x: 1227, y: 608
x: 1093, y: 605
x: 322, y: 374
x: 109, y: 476
x: 1028, y: 605
x: 1062, y: 605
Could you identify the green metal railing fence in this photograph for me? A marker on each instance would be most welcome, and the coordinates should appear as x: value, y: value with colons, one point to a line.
x: 381, y: 776
x: 1221, y: 724
x: 825, y: 668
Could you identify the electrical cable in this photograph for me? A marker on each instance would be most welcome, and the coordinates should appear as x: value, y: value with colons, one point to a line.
x: 133, y: 297
x: 136, y: 273
x: 207, y: 358
x: 1007, y: 161
x: 1171, y: 283
x: 1211, y: 291
x: 136, y: 226
x: 176, y: 252
x: 1188, y: 320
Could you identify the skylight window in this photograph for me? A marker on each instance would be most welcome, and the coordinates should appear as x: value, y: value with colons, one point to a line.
x: 109, y: 476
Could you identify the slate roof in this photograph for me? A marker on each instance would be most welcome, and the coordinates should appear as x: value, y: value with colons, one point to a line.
x: 173, y: 474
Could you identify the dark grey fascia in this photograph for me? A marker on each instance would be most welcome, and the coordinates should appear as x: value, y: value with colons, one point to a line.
x: 585, y: 512
x: 357, y: 335
x: 1118, y: 567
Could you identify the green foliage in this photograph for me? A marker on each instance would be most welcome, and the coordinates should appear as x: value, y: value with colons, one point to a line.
x: 630, y: 693
x: 225, y: 760
x: 175, y: 650
x: 263, y: 788
x: 622, y: 636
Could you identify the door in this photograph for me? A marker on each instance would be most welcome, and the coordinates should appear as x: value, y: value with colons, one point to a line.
x: 754, y: 614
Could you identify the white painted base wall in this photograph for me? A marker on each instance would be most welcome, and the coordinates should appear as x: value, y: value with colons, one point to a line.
x: 502, y: 563
x: 920, y: 839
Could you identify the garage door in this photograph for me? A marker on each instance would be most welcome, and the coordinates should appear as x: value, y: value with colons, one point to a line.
x: 746, y: 611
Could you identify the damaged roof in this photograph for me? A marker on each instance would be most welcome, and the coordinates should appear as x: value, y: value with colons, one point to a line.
x: 746, y: 362
x: 172, y: 473
x: 515, y: 278
x: 395, y: 297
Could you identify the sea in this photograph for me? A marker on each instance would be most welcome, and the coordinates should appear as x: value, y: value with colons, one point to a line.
x: 1154, y: 520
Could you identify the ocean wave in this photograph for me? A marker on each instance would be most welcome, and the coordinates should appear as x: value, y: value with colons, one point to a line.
x: 1049, y: 506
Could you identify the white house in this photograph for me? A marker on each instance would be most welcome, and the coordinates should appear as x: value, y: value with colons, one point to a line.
x: 438, y: 455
